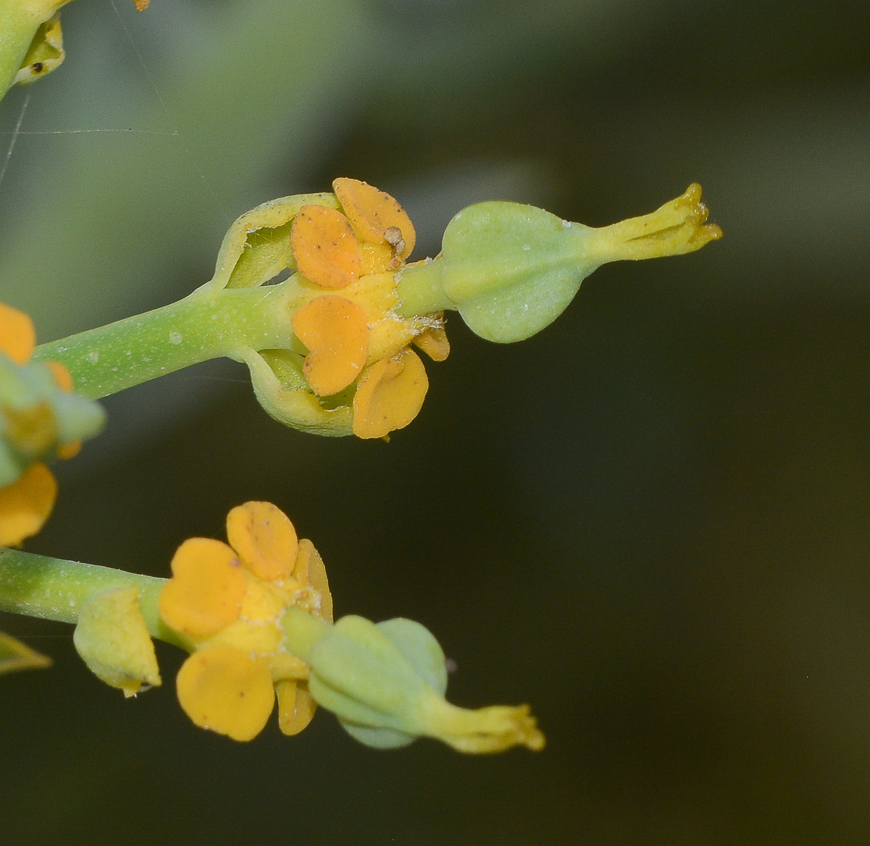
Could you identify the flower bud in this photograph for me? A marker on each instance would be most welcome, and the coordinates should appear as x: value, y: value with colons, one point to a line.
x: 385, y: 682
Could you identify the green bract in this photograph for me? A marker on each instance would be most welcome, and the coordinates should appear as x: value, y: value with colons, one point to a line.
x: 31, y: 42
x: 45, y: 54
x: 256, y: 247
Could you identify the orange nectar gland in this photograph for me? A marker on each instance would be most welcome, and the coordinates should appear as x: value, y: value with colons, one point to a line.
x: 350, y: 331
x: 227, y: 601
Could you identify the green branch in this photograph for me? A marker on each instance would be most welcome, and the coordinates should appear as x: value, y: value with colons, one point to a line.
x: 56, y: 589
x: 206, y: 324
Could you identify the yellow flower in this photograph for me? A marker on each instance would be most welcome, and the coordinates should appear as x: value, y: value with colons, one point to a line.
x: 348, y: 261
x: 40, y: 417
x: 329, y: 347
x: 227, y: 603
x: 27, y: 502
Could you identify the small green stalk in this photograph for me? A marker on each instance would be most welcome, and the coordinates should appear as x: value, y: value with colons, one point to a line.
x: 206, y: 324
x: 421, y: 289
x: 302, y: 630
x: 56, y: 589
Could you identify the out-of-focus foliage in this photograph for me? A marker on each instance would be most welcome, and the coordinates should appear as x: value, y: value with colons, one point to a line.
x: 652, y: 521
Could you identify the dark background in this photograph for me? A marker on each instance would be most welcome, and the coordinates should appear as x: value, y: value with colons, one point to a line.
x: 652, y: 521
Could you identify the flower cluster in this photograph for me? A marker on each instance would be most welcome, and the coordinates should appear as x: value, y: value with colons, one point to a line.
x: 226, y: 603
x: 256, y: 616
x: 329, y: 345
x: 329, y: 349
x: 40, y: 418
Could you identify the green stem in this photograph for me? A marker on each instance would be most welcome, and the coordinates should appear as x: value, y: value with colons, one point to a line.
x: 54, y: 589
x: 302, y: 630
x: 420, y: 290
x: 204, y: 325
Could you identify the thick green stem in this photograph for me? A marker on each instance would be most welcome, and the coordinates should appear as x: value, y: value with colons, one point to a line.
x: 54, y: 589
x: 204, y: 325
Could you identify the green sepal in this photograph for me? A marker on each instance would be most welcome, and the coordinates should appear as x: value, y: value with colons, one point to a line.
x: 256, y: 247
x: 278, y: 383
x: 112, y: 638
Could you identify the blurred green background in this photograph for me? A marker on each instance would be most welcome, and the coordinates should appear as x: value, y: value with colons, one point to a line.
x: 652, y: 521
